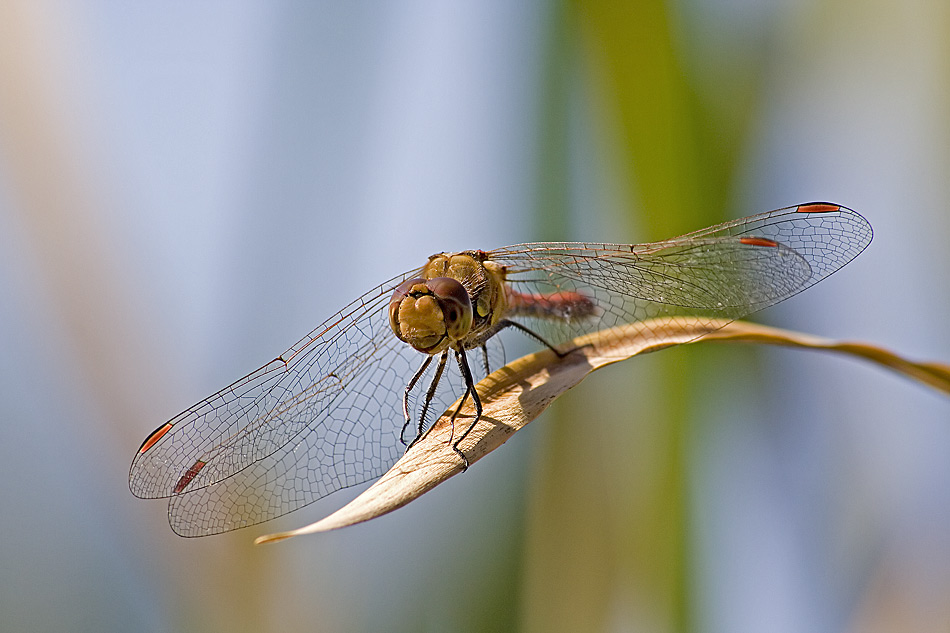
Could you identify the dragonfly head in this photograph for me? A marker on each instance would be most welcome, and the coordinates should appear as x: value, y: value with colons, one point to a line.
x: 430, y: 314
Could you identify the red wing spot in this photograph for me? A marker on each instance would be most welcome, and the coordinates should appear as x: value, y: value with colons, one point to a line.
x: 156, y: 435
x: 818, y: 207
x: 190, y: 474
x: 757, y: 241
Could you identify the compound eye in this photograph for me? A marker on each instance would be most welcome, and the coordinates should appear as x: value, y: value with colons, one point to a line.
x: 401, y: 292
x: 455, y: 303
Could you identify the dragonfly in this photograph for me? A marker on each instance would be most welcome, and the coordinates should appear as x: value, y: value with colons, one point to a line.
x: 341, y: 405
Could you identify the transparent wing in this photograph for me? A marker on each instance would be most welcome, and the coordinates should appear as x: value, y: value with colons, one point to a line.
x: 323, y: 416
x: 327, y: 413
x: 317, y: 387
x: 723, y: 272
x: 357, y: 440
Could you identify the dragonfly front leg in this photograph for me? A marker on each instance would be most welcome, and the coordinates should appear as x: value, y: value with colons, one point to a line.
x: 405, y: 398
x: 430, y: 394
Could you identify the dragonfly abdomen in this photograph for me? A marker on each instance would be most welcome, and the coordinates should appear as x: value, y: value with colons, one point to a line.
x: 554, y: 305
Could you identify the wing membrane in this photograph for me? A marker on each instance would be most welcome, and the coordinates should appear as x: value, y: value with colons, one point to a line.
x: 264, y: 411
x: 726, y: 271
x: 326, y: 414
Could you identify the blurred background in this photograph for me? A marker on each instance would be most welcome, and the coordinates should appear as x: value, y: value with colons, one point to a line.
x: 188, y: 188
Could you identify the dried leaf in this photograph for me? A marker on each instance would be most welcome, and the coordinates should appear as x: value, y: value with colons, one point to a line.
x: 518, y: 392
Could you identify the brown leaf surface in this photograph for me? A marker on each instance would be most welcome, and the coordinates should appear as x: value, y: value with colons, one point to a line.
x: 518, y: 392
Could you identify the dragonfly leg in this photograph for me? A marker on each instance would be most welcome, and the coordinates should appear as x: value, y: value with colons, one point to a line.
x: 430, y: 394
x: 455, y: 414
x: 485, y: 359
x: 469, y: 389
x: 505, y: 323
x: 405, y: 398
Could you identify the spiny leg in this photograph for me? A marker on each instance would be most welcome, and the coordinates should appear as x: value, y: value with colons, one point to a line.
x: 458, y: 409
x: 469, y: 389
x: 429, y: 395
x: 505, y: 323
x: 405, y: 398
x: 485, y: 359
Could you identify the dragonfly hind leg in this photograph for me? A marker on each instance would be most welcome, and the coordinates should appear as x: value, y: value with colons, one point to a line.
x: 506, y: 323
